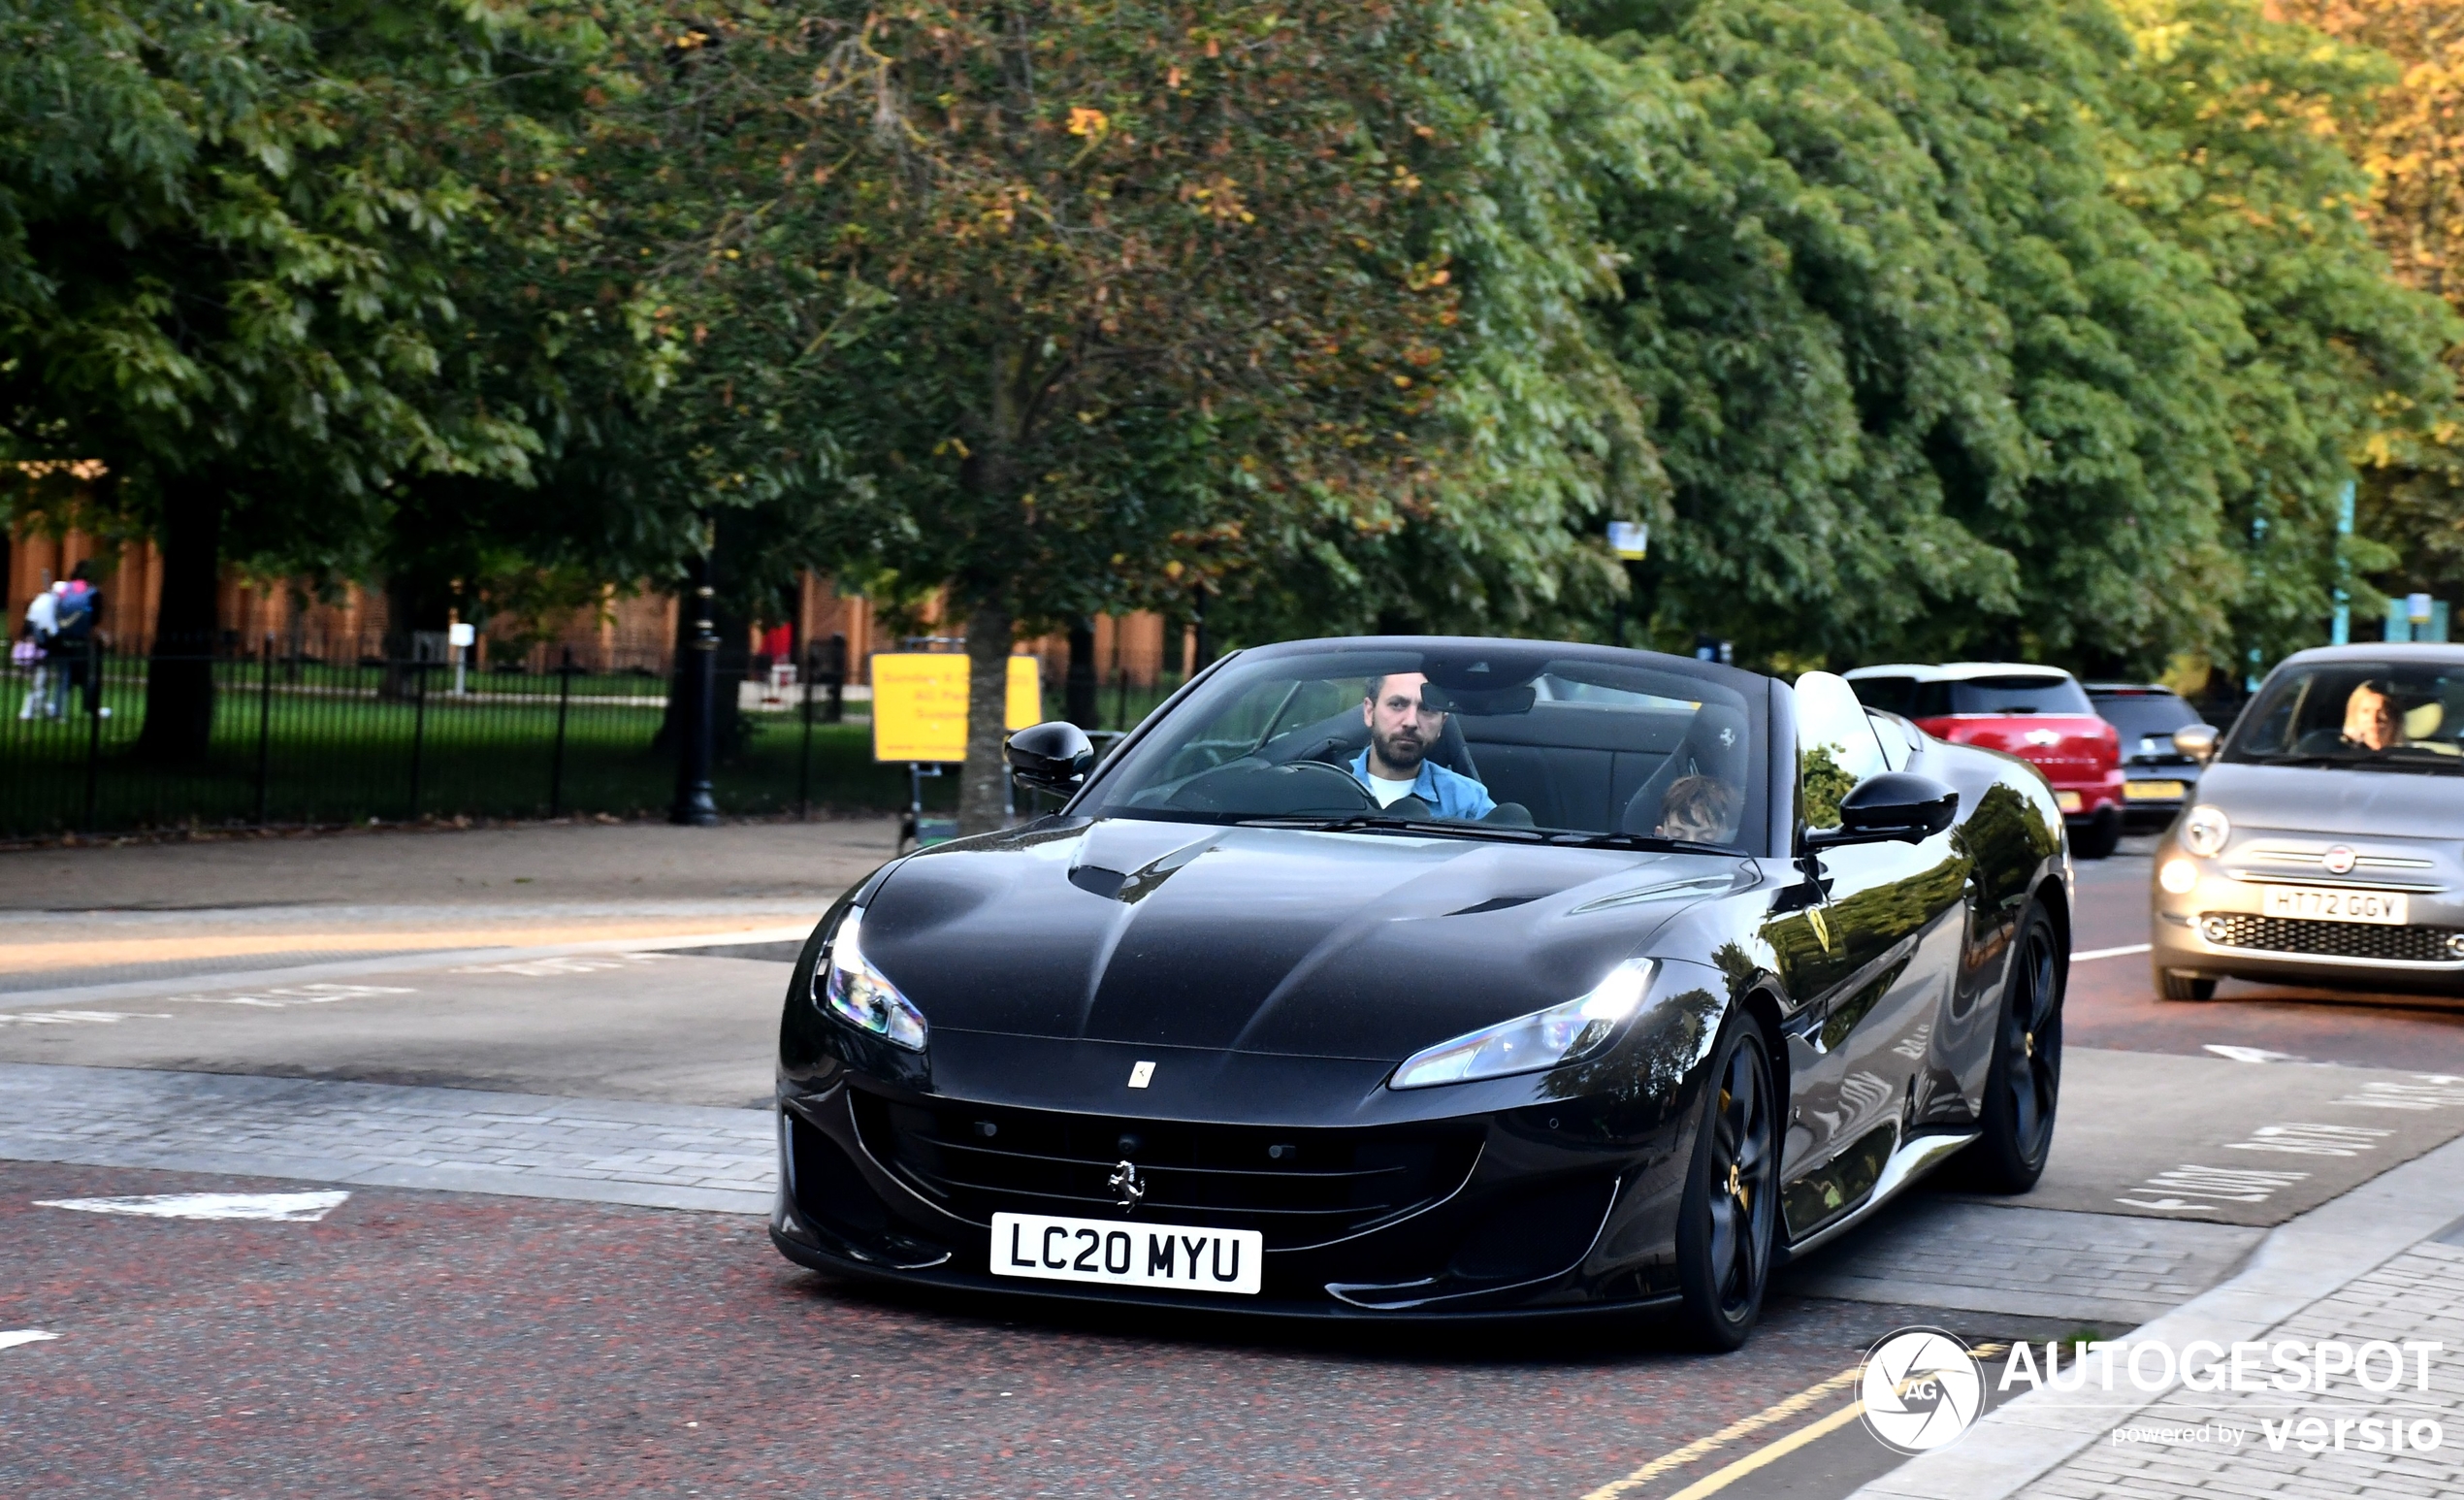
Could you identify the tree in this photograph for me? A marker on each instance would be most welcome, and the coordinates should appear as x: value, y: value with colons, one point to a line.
x: 2239, y: 159
x: 2411, y: 144
x: 1063, y: 305
x: 224, y: 246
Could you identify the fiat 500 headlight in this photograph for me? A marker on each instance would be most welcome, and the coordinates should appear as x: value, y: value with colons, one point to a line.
x: 850, y: 987
x: 2205, y: 829
x: 1544, y: 1039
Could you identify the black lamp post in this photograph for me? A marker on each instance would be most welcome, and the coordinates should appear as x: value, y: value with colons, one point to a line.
x: 694, y: 806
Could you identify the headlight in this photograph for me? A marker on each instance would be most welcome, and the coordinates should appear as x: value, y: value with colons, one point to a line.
x: 1544, y: 1039
x: 2178, y: 876
x: 2205, y: 829
x: 859, y: 993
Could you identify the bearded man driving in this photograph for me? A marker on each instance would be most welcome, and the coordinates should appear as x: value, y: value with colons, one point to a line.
x: 1396, y: 762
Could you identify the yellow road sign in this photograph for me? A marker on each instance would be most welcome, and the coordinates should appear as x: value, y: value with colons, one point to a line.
x: 920, y: 703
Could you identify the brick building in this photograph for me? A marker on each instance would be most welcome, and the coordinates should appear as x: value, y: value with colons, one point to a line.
x: 635, y: 630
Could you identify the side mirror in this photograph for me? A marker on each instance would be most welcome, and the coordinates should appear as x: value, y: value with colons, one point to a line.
x: 2198, y: 741
x: 1897, y: 805
x: 1053, y: 756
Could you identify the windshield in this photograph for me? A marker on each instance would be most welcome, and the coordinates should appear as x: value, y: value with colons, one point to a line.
x: 2142, y: 716
x: 2382, y: 715
x: 2032, y: 692
x: 1483, y: 739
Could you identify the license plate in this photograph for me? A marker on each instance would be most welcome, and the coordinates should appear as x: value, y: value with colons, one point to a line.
x: 2067, y: 802
x: 2153, y: 791
x: 2319, y: 903
x: 1112, y: 1254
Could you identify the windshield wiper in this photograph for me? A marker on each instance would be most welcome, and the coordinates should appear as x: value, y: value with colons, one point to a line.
x: 1649, y: 842
x: 2428, y: 761
x: 1379, y: 823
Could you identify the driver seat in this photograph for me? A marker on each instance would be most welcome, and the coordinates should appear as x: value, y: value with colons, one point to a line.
x: 1338, y: 737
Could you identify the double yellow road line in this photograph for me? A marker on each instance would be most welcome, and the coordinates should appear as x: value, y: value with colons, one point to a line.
x: 1770, y: 1452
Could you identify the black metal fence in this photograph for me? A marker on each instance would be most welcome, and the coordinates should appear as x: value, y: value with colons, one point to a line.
x: 292, y: 739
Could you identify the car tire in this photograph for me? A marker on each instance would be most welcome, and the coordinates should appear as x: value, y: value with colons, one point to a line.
x: 2023, y: 1084
x: 2174, y: 985
x: 2099, y: 836
x: 1728, y: 1218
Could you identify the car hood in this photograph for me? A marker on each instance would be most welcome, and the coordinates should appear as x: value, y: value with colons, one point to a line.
x: 1264, y: 940
x: 2330, y: 801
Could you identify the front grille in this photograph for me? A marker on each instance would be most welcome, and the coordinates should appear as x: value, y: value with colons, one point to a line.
x: 2329, y: 939
x: 1300, y: 1188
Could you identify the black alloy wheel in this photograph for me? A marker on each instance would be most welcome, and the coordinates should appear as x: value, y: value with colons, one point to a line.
x: 2024, y: 1083
x: 1731, y: 1198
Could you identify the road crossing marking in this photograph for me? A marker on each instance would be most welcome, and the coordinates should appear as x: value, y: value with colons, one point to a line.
x: 13, y: 1337
x: 64, y: 1018
x: 263, y: 1207
x: 2123, y: 952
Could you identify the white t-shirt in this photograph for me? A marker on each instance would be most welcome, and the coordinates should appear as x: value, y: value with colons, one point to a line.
x: 1388, y: 793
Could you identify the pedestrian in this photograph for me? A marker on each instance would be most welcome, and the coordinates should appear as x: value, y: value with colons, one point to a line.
x: 80, y: 607
x: 41, y: 627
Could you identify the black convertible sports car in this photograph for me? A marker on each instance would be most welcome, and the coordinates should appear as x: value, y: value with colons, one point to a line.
x: 1413, y: 977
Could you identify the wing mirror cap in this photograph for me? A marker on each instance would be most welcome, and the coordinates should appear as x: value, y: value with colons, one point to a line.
x: 2198, y: 741
x: 1053, y: 757
x: 1895, y: 806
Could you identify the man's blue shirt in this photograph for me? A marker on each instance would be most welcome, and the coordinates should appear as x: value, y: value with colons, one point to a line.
x: 1449, y: 793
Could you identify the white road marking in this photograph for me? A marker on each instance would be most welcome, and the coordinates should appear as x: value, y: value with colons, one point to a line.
x: 2182, y: 1184
x: 2429, y: 1091
x: 13, y: 1337
x: 283, y: 1207
x: 2110, y: 953
x: 297, y: 994
x: 2313, y: 1140
x: 65, y: 1017
x: 2251, y: 1053
x: 578, y: 964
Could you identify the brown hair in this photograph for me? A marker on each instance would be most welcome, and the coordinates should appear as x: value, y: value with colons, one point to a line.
x: 1698, y: 806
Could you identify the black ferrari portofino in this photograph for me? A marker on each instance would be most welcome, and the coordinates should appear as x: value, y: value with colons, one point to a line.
x: 1418, y: 978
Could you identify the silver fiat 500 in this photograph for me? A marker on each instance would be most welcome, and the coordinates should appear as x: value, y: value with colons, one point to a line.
x: 2325, y: 845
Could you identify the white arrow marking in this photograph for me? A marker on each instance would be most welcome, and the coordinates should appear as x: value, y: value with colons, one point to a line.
x: 14, y: 1337
x: 2251, y: 1053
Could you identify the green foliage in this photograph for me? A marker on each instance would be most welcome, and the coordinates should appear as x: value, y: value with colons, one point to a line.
x: 226, y: 245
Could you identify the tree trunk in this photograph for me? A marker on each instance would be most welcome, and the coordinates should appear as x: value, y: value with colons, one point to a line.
x: 982, y: 781
x: 1079, y: 687
x: 179, y: 677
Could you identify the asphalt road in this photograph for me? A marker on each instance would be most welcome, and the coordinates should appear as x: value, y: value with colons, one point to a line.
x: 444, y: 1344
x: 429, y: 1345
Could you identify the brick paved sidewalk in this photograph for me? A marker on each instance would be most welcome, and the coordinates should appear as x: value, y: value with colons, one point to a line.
x: 2420, y: 1294
x: 2380, y: 1263
x: 463, y: 1140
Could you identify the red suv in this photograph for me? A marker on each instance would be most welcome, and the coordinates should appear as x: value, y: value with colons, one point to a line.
x: 2038, y: 713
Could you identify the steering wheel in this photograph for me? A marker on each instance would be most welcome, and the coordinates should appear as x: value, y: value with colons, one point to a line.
x: 1297, y: 787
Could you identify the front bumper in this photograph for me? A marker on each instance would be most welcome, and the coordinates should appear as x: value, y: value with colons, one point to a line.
x: 2217, y: 929
x: 1543, y: 1218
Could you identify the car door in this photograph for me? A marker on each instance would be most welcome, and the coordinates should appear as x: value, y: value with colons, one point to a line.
x: 1867, y: 947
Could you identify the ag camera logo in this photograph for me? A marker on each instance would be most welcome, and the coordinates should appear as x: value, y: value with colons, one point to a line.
x: 1920, y: 1389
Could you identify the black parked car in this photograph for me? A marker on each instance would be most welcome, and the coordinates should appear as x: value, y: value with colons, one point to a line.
x: 2156, y: 779
x: 1415, y: 977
